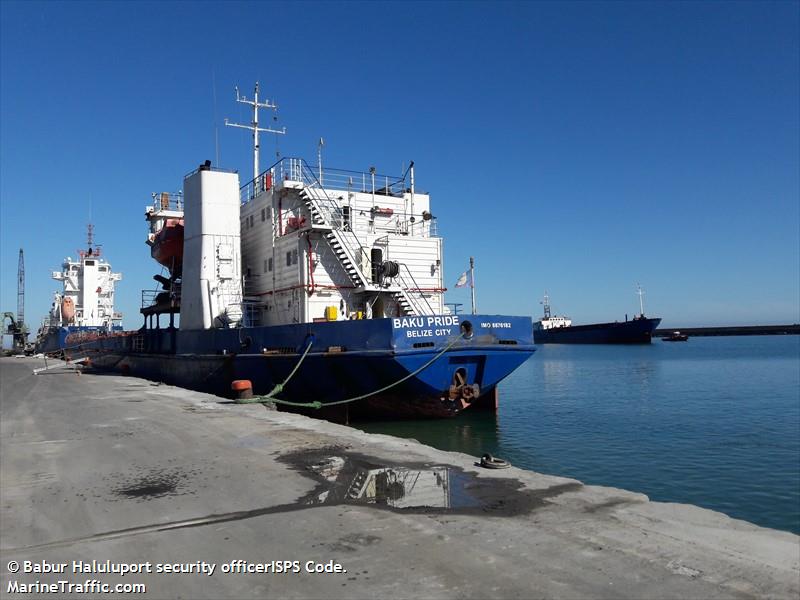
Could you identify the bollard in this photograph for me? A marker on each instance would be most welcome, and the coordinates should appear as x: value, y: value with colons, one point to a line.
x: 242, y: 389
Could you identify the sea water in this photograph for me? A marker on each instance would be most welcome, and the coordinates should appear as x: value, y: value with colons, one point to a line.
x: 714, y: 421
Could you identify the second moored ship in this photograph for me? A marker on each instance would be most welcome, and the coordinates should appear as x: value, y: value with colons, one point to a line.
x: 560, y: 330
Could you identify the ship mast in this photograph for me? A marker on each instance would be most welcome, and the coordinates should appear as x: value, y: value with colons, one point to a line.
x: 254, y: 125
x: 640, y: 293
x: 546, y: 304
x: 471, y: 277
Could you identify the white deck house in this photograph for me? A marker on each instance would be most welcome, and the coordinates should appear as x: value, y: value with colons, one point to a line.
x: 88, y: 291
x: 333, y: 244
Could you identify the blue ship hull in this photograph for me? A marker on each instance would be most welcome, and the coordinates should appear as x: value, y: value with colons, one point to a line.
x: 637, y: 331
x: 55, y: 339
x: 346, y: 359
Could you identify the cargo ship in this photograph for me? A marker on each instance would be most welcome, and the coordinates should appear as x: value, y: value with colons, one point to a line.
x: 85, y: 303
x: 553, y: 329
x: 317, y: 287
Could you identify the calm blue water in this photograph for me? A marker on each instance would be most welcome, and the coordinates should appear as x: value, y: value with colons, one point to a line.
x: 714, y: 421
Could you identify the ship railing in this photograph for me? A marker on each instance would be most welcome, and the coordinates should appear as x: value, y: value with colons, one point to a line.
x: 411, y: 290
x: 360, y: 181
x: 297, y: 169
x: 251, y: 312
x: 256, y: 187
x: 172, y: 201
x: 149, y: 297
x: 423, y: 225
x: 208, y: 167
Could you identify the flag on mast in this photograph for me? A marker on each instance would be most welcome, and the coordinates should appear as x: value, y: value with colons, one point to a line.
x: 463, y: 280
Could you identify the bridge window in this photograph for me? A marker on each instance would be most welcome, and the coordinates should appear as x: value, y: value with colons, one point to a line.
x: 291, y: 258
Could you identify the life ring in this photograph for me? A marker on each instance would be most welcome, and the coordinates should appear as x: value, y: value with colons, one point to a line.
x: 490, y: 462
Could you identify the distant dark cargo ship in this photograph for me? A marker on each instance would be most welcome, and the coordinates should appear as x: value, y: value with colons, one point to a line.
x: 560, y: 330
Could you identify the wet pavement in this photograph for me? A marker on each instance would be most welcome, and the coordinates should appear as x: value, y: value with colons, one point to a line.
x: 106, y: 468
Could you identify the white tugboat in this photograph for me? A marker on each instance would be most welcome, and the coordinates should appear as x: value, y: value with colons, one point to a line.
x: 85, y: 302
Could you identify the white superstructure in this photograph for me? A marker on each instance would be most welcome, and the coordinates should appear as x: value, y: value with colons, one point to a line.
x: 359, y: 245
x: 316, y: 245
x: 87, y: 297
x: 321, y: 245
x: 549, y: 321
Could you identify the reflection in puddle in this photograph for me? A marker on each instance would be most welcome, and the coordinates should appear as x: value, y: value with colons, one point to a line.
x: 396, y: 487
x: 349, y: 478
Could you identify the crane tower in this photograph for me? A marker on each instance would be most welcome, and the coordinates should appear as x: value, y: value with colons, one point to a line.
x: 21, y: 290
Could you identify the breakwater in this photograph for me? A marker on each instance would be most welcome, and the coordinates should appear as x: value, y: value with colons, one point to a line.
x: 738, y: 330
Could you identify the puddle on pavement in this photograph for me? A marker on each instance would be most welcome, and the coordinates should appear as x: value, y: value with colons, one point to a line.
x: 148, y: 488
x: 346, y: 478
x: 153, y: 483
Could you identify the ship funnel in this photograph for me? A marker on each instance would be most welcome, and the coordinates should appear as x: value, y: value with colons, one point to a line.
x: 211, y: 293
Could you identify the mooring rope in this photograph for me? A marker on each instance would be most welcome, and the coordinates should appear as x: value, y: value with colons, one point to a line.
x: 279, y: 386
x: 317, y: 404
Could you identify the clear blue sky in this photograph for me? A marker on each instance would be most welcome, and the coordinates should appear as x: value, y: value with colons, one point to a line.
x: 577, y: 148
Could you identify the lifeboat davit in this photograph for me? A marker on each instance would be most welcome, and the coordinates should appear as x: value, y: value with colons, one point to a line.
x: 167, y: 246
x: 68, y: 309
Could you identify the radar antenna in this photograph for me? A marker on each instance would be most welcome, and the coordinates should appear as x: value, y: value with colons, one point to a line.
x: 254, y: 125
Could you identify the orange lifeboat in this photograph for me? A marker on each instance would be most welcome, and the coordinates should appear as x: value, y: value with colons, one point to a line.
x: 68, y: 309
x: 167, y: 246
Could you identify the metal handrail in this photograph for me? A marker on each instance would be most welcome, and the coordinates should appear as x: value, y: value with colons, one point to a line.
x: 293, y: 168
x: 407, y: 288
x: 363, y: 258
x: 253, y: 187
x: 382, y: 181
x: 149, y: 297
x: 337, y: 210
x: 408, y: 227
x: 209, y: 167
x: 343, y: 179
x: 168, y: 201
x: 331, y: 207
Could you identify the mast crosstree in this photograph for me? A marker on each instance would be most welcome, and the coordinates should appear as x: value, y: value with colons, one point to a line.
x: 254, y: 125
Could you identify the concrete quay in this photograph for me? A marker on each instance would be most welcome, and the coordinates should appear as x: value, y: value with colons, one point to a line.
x: 127, y: 472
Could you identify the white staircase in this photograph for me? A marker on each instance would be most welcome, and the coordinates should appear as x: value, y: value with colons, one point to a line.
x: 341, y: 242
x: 326, y: 215
x: 324, y: 211
x: 404, y: 302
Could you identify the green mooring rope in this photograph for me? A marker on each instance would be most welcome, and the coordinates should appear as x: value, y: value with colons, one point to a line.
x: 278, y: 386
x: 317, y: 404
